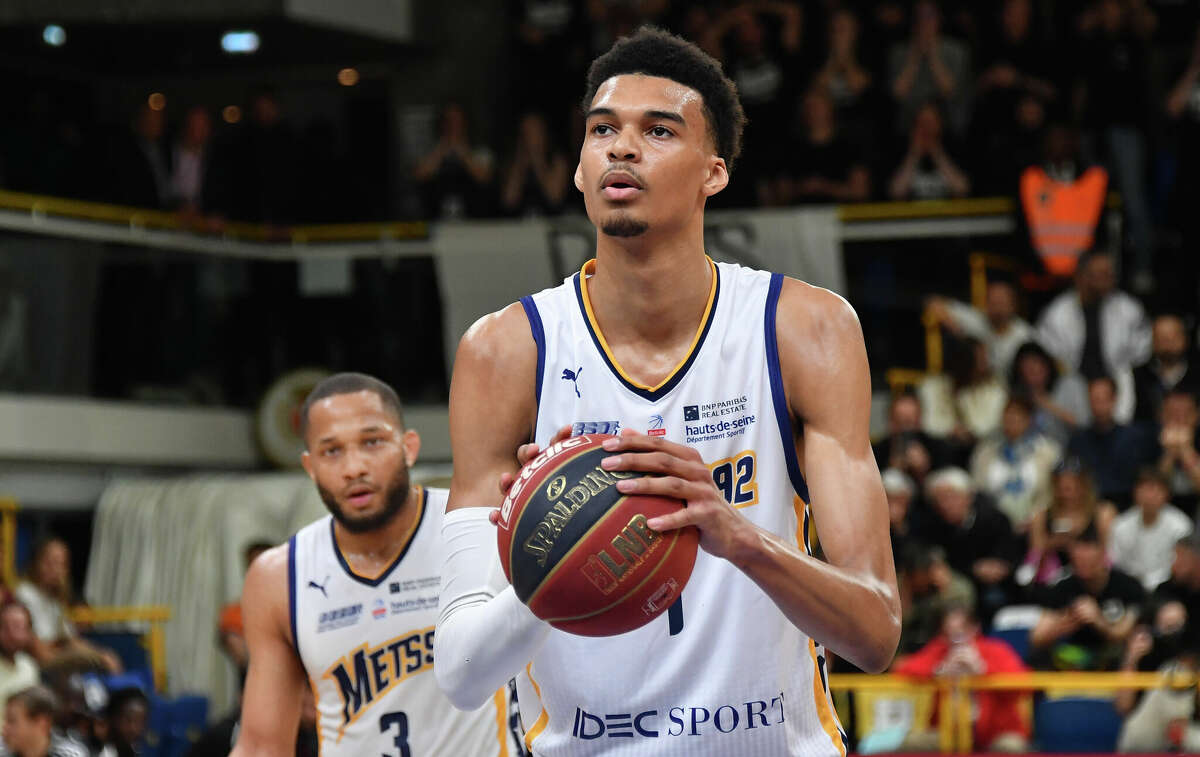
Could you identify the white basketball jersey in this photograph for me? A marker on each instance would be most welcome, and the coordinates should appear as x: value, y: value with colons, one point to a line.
x: 367, y: 647
x: 723, y: 672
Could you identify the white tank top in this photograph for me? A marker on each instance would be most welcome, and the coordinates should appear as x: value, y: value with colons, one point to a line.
x: 367, y: 647
x: 723, y: 672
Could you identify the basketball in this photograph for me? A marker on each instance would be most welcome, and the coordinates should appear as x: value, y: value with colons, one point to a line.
x: 579, y: 553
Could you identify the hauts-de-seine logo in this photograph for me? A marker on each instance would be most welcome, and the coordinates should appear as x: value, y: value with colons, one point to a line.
x: 723, y: 419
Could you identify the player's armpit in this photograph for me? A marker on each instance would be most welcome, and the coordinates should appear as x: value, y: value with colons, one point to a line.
x: 275, y: 681
x: 827, y: 382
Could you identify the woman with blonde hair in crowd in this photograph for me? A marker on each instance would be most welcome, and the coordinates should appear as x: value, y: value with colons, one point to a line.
x: 1073, y: 507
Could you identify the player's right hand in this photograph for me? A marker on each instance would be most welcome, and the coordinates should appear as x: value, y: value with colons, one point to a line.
x: 525, y: 453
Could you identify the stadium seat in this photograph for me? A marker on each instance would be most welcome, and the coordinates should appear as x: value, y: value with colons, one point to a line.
x: 1076, y: 725
x: 126, y: 644
x: 158, y: 727
x: 188, y: 720
x: 1017, y: 638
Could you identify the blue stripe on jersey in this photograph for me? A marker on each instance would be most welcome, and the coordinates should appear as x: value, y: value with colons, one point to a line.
x: 387, y: 571
x: 782, y: 415
x: 539, y: 337
x: 292, y: 591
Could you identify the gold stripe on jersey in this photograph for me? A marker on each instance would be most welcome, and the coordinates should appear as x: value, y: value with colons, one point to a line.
x: 821, y: 702
x: 500, y: 699
x: 540, y: 724
x: 588, y: 269
x: 317, y: 707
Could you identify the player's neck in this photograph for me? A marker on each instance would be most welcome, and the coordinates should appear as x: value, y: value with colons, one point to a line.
x: 370, y: 552
x: 652, y: 290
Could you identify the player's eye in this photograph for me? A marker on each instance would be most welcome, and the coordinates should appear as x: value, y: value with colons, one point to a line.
x: 602, y: 130
x: 373, y: 442
x: 660, y: 131
x: 331, y: 451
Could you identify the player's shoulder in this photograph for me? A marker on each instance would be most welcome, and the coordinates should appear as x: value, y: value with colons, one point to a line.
x: 499, y: 337
x: 815, y: 322
x: 269, y: 572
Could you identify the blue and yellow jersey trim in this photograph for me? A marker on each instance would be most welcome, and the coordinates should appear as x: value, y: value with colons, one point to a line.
x: 422, y: 499
x: 651, y: 393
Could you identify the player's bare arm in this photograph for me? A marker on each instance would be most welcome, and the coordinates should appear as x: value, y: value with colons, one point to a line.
x: 827, y: 382
x: 272, y: 697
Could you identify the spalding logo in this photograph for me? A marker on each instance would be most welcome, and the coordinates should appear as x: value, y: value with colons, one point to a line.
x: 532, y: 467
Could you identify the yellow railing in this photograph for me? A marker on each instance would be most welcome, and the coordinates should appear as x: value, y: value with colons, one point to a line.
x: 954, y: 713
x: 8, y: 540
x: 154, y: 639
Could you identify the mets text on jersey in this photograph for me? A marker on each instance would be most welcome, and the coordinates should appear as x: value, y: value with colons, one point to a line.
x: 679, y: 721
x: 369, y: 672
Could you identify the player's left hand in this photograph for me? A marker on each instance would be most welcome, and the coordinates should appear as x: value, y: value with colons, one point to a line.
x: 678, y: 471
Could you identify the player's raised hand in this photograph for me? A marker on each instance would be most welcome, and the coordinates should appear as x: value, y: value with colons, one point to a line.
x: 525, y: 453
x: 678, y: 471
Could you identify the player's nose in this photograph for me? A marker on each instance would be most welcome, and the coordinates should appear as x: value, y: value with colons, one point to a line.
x: 624, y: 147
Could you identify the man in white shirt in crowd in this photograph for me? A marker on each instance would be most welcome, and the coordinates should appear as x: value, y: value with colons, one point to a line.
x: 18, y: 670
x: 1095, y: 329
x: 1144, y: 536
x: 998, y: 325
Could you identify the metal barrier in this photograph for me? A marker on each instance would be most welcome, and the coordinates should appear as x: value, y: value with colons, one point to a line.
x: 954, y: 713
x: 154, y: 639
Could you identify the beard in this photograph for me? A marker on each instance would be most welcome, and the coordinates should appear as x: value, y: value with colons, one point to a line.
x: 394, y: 497
x: 622, y: 225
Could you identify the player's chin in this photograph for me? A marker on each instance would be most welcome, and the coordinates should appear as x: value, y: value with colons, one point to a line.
x: 623, y: 224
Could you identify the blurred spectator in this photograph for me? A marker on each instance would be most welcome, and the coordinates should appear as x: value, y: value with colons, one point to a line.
x: 1014, y: 466
x: 537, y: 178
x: 128, y: 716
x: 1013, y: 64
x: 141, y: 172
x: 928, y: 586
x: 930, y: 67
x: 46, y: 592
x: 1144, y: 537
x: 1163, y: 719
x: 900, y: 491
x: 1179, y: 456
x: 14, y: 328
x: 455, y: 173
x: 959, y: 650
x: 1113, y: 451
x: 1060, y: 402
x: 1183, y: 108
x: 843, y: 77
x: 1095, y: 329
x: 548, y: 49
x: 1111, y: 100
x: 273, y: 159
x: 1090, y: 612
x: 18, y: 670
x: 977, y: 536
x: 1167, y: 369
x: 907, y: 447
x: 190, y: 162
x: 83, y: 700
x: 1001, y: 329
x: 822, y: 164
x: 29, y: 726
x: 927, y: 171
x: 230, y: 631
x: 1062, y: 200
x: 1073, y: 509
x: 966, y: 404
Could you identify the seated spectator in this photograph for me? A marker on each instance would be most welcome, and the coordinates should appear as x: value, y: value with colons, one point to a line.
x: 1094, y: 329
x: 977, y: 536
x: 1114, y: 451
x: 1179, y: 455
x: 927, y: 171
x: 18, y: 669
x: 230, y: 632
x: 1089, y: 613
x: 1162, y: 720
x: 128, y: 713
x: 537, y: 178
x: 1014, y: 64
x: 1072, y: 510
x: 908, y: 448
x: 1059, y: 402
x: 960, y: 649
x: 455, y: 174
x: 966, y: 404
x: 1144, y: 537
x: 1183, y: 586
x: 843, y: 77
x: 46, y: 592
x: 900, y: 491
x: 823, y: 166
x: 1167, y: 369
x: 929, y: 66
x: 29, y: 726
x: 998, y: 326
x: 927, y: 587
x: 1015, y: 465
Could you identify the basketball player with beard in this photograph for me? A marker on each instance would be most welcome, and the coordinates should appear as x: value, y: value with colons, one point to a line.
x: 760, y: 386
x: 347, y: 606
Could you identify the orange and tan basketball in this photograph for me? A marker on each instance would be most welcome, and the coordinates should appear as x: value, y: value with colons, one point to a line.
x: 578, y: 551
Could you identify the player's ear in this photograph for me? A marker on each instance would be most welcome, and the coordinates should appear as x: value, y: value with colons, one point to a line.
x: 306, y: 461
x: 411, y: 442
x: 718, y: 176
x: 579, y: 176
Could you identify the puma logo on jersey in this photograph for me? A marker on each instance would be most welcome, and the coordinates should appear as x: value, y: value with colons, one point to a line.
x: 369, y: 672
x: 573, y: 377
x: 321, y: 586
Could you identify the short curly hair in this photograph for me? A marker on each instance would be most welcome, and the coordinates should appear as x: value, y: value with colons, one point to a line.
x: 655, y: 52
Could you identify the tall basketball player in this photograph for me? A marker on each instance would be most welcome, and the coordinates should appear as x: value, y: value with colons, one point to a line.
x: 348, y: 605
x: 761, y: 385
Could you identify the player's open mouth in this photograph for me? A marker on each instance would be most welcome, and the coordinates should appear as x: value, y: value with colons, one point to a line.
x: 619, y: 185
x: 360, y: 495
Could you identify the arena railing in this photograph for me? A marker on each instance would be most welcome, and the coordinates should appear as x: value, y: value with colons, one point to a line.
x: 954, y: 693
x: 154, y: 639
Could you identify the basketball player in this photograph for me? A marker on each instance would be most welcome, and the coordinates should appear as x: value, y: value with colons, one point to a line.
x: 762, y: 388
x: 348, y: 605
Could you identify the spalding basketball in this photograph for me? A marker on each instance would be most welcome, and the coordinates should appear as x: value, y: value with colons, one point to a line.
x: 578, y: 552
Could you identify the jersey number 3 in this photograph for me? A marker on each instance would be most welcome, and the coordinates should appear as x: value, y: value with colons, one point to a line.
x: 400, y: 720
